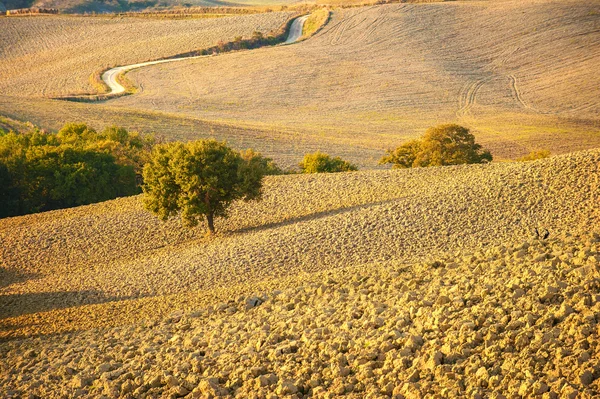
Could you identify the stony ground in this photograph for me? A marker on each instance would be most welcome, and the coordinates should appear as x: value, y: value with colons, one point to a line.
x: 418, y: 283
x: 503, y: 322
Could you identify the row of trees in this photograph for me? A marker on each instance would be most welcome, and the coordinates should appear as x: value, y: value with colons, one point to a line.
x: 197, y: 180
x: 201, y: 179
x: 40, y: 171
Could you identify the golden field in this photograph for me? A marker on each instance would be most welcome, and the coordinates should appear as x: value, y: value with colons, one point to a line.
x: 389, y: 242
x: 417, y: 283
x: 372, y: 78
x: 56, y: 55
x: 376, y: 76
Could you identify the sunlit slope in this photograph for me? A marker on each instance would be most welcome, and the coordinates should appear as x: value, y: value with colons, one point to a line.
x: 123, y: 264
x: 56, y: 55
x: 522, y: 74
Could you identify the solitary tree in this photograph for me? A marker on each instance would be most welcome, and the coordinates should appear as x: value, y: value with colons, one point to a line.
x: 440, y: 146
x: 322, y: 163
x: 199, y: 180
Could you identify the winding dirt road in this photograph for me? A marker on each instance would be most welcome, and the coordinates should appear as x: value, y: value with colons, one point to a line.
x: 110, y: 77
x: 296, y: 30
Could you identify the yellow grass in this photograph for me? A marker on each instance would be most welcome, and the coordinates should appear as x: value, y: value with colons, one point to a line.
x: 315, y: 22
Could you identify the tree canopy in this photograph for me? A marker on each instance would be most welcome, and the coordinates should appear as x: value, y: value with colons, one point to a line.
x: 441, y: 145
x: 41, y: 171
x: 200, y: 180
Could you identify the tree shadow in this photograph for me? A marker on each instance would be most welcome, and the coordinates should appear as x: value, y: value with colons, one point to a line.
x: 12, y: 276
x: 14, y: 305
x: 316, y: 215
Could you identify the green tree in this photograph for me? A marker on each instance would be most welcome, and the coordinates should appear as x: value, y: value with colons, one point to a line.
x: 319, y: 162
x: 267, y: 165
x: 199, y: 180
x: 441, y: 145
x: 403, y: 156
x: 40, y: 171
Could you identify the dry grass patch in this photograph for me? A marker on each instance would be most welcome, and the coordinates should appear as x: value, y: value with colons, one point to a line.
x: 315, y: 22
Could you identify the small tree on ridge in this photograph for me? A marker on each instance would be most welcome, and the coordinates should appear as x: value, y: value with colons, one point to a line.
x: 441, y: 145
x: 199, y: 180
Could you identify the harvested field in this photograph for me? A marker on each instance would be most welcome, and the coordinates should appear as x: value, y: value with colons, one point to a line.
x: 382, y: 283
x: 520, y: 74
x: 372, y: 78
x: 56, y: 55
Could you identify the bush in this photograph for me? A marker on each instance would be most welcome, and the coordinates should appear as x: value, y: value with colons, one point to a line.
x: 269, y: 168
x: 200, y: 180
x: 40, y: 171
x: 319, y: 162
x: 440, y: 146
x: 533, y: 155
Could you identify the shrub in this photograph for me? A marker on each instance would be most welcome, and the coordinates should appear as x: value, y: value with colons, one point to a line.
x: 199, y: 180
x: 533, y: 155
x: 440, y: 146
x: 267, y: 165
x: 319, y: 162
x: 403, y: 156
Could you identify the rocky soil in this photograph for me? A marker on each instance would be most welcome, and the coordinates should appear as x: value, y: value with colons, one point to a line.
x: 419, y: 283
x: 503, y: 322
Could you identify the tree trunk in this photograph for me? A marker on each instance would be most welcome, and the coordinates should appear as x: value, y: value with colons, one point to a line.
x: 211, y: 222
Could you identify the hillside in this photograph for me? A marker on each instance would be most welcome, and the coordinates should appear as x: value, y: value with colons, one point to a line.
x: 372, y: 78
x: 390, y: 282
x: 520, y: 73
x: 56, y: 55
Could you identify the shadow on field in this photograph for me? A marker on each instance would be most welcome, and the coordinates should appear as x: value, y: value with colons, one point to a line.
x: 9, y: 276
x: 14, y: 305
x: 317, y: 215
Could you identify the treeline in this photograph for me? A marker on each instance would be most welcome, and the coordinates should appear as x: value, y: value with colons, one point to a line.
x: 32, y: 10
x: 42, y: 171
x: 258, y: 39
x: 192, y: 11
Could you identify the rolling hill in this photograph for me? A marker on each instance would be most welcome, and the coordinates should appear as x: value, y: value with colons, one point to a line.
x: 56, y: 55
x: 372, y: 78
x: 376, y: 76
x: 400, y: 264
x: 478, y: 281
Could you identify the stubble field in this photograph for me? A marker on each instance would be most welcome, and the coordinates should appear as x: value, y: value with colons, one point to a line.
x: 372, y: 78
x: 378, y: 75
x: 55, y: 55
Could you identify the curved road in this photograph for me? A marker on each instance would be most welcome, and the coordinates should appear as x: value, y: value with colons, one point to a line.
x: 296, y: 29
x: 110, y: 77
